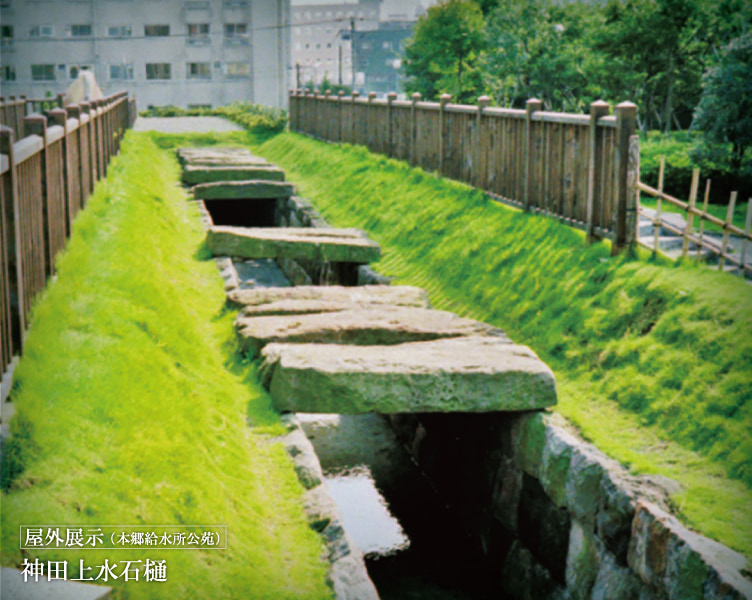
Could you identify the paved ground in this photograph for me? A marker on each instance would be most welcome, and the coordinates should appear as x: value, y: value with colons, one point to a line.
x: 184, y: 124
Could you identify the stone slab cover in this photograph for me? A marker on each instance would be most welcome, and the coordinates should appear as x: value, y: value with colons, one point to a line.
x: 216, y: 155
x: 194, y: 175
x: 475, y: 374
x: 316, y: 298
x: 243, y: 190
x: 371, y: 326
x: 299, y: 243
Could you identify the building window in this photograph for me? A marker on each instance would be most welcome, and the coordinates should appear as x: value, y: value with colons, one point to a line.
x: 43, y: 72
x: 121, y: 72
x: 238, y: 69
x: 156, y: 31
x: 235, y: 3
x: 158, y: 71
x: 80, y: 30
x: 119, y: 31
x: 6, y: 35
x: 8, y: 73
x: 41, y: 31
x: 198, y: 33
x: 198, y: 70
x: 236, y: 33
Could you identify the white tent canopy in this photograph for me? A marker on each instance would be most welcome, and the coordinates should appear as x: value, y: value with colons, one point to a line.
x: 84, y: 88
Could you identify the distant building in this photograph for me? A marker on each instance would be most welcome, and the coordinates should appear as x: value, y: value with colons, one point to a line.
x: 378, y: 55
x: 321, y: 39
x: 181, y: 52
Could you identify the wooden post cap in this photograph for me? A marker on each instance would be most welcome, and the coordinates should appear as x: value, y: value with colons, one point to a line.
x: 416, y: 97
x: 391, y: 97
x: 444, y: 99
x: 371, y: 96
x: 533, y: 105
x: 58, y: 116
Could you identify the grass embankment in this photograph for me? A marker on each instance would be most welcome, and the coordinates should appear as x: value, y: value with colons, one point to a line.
x: 654, y: 363
x: 133, y: 409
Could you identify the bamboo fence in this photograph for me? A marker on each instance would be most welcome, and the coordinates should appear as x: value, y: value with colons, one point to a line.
x: 698, y: 236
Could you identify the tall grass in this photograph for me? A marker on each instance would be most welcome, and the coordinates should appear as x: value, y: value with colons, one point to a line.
x: 133, y: 408
x: 654, y: 363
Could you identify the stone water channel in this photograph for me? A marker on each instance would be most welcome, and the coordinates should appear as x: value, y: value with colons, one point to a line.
x: 420, y: 436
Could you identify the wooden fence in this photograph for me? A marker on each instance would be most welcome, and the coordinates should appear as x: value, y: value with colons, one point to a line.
x: 582, y: 169
x: 696, y: 241
x: 46, y: 177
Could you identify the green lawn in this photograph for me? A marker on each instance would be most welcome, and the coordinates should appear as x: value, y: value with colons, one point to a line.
x: 654, y: 363
x: 132, y: 407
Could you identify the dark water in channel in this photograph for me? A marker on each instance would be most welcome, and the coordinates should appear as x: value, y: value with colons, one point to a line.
x: 413, y: 548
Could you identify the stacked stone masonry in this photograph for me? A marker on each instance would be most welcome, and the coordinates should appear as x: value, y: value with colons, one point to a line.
x: 558, y: 519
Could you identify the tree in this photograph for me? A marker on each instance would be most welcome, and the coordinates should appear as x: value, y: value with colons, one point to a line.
x: 539, y: 49
x: 443, y: 54
x: 725, y: 109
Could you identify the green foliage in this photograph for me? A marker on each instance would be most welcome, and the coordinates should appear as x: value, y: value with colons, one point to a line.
x: 664, y: 349
x: 536, y: 50
x: 132, y: 406
x: 443, y: 56
x: 253, y: 117
x: 650, y: 52
x: 326, y: 85
x: 725, y: 109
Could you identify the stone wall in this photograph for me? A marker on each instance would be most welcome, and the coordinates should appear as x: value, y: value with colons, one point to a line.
x: 555, y: 518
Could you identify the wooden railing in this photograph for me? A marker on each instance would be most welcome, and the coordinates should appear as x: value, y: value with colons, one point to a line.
x: 581, y: 169
x: 728, y: 259
x: 45, y: 179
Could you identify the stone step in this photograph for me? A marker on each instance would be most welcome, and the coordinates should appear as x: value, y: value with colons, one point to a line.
x: 373, y: 326
x: 299, y: 243
x: 665, y: 242
x: 13, y: 587
x: 218, y: 156
x: 195, y: 175
x: 243, y: 190
x: 472, y: 374
x: 318, y: 299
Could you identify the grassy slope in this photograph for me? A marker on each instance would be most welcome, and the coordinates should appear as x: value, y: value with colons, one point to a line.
x: 132, y: 409
x: 654, y: 363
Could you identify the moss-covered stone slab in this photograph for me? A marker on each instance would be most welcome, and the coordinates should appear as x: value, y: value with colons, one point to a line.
x: 219, y: 156
x: 306, y: 299
x: 195, y: 175
x: 299, y: 243
x: 243, y: 190
x: 474, y: 374
x: 372, y: 326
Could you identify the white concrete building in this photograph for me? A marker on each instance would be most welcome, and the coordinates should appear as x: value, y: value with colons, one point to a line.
x: 181, y: 52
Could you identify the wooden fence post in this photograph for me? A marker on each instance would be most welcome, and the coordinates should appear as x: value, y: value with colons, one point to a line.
x: 598, y: 109
x: 480, y: 167
x: 353, y: 120
x: 6, y: 147
x: 414, y: 128
x: 443, y: 101
x: 369, y: 122
x: 36, y: 124
x: 88, y: 140
x: 390, y: 144
x: 327, y: 129
x: 59, y: 117
x: 340, y: 110
x: 625, y: 208
x: 531, y: 106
